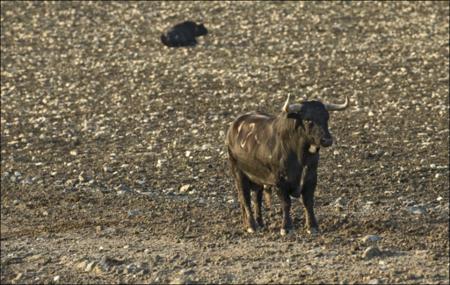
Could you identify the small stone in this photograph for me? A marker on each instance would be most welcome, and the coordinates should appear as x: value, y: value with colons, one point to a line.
x: 371, y: 238
x: 18, y: 276
x: 133, y: 213
x: 184, y: 188
x: 339, y: 203
x: 126, y: 246
x: 371, y: 252
x: 56, y: 278
x: 416, y: 210
x: 73, y: 152
x: 98, y: 229
x: 90, y: 266
x: 374, y: 281
x: 82, y: 264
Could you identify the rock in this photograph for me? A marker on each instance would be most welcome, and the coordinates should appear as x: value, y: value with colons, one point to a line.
x: 371, y: 252
x: 178, y: 280
x: 108, y: 263
x: 371, y: 238
x: 373, y: 281
x: 90, y: 266
x: 98, y: 229
x: 56, y: 278
x: 133, y: 213
x: 339, y: 204
x: 184, y: 188
x: 82, y: 264
x: 416, y: 210
x: 18, y: 276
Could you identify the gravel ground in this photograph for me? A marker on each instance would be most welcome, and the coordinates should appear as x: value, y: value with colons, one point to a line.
x: 113, y: 164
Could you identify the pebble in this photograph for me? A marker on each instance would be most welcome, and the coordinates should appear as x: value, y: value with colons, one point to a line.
x: 18, y: 276
x: 371, y: 252
x: 133, y: 213
x: 82, y: 264
x: 373, y: 281
x: 339, y: 203
x: 56, y: 278
x: 90, y: 266
x: 416, y: 210
x: 371, y: 238
x: 184, y: 188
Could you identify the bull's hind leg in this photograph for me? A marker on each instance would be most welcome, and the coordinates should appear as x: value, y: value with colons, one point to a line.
x: 243, y: 187
x: 257, y: 203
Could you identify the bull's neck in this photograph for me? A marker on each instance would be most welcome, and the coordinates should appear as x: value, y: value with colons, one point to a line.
x: 292, y: 135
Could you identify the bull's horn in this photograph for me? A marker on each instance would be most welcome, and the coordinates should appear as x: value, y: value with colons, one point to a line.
x: 337, y: 107
x: 286, y: 105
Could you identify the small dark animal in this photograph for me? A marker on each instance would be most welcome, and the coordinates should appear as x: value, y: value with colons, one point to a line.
x: 281, y: 152
x: 183, y: 34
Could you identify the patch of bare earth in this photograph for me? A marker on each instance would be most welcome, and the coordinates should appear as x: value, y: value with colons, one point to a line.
x: 113, y: 165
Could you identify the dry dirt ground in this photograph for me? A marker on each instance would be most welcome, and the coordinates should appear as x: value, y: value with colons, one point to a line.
x: 113, y: 164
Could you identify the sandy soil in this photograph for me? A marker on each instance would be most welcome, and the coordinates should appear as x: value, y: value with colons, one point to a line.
x: 113, y: 164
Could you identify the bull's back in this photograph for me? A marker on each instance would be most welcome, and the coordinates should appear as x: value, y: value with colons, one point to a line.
x: 249, y: 147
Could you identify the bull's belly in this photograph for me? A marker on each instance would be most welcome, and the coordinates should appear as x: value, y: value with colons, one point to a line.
x: 258, y: 173
x: 266, y: 180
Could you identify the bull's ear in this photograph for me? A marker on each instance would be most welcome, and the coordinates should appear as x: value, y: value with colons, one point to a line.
x: 294, y: 115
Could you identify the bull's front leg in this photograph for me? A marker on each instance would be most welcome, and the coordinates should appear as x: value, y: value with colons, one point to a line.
x: 285, y: 200
x: 309, y: 187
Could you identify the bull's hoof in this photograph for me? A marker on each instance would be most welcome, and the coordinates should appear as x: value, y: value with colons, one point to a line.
x: 313, y: 231
x: 285, y: 232
x: 250, y: 230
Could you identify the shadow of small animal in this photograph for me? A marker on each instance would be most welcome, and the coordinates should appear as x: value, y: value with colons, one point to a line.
x: 183, y: 34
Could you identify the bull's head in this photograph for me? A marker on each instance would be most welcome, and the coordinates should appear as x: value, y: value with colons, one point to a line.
x: 313, y: 117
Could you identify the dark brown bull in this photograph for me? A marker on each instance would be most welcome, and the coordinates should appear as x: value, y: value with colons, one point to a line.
x: 280, y: 151
x: 183, y: 34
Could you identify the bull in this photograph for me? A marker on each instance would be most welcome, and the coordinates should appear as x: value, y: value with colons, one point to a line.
x: 183, y: 34
x: 281, y: 152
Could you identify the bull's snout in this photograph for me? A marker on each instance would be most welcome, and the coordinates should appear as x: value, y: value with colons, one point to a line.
x: 326, y: 141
